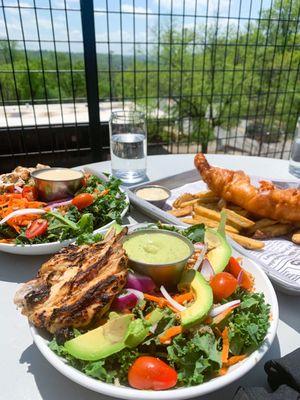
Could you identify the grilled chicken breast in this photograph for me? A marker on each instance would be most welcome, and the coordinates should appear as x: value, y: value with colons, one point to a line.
x: 76, y: 286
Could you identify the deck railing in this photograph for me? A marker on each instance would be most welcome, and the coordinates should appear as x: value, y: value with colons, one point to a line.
x: 220, y: 76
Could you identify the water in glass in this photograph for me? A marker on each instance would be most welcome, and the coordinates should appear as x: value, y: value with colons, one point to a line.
x: 294, y: 167
x: 128, y: 146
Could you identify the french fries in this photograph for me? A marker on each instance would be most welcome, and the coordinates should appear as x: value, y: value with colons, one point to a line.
x: 181, y: 212
x: 204, y: 207
x: 296, y: 237
x: 232, y: 217
x: 261, y: 224
x: 246, y: 242
x: 208, y: 222
x: 273, y: 231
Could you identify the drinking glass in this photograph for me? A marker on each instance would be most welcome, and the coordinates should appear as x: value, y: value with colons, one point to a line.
x: 128, y: 145
x: 294, y: 166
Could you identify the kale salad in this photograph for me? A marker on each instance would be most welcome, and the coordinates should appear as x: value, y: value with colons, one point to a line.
x: 178, y: 337
x: 30, y: 221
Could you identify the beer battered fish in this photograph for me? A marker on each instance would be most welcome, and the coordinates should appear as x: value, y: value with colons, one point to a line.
x: 234, y: 186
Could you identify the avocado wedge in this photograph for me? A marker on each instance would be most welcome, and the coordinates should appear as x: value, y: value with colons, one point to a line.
x: 120, y: 331
x: 220, y: 251
x: 203, y: 298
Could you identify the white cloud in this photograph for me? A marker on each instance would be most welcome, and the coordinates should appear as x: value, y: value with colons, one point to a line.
x: 138, y: 10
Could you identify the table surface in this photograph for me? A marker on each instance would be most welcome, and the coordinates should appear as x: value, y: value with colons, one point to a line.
x: 25, y: 374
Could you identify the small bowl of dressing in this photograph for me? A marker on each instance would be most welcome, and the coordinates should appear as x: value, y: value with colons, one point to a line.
x: 57, y: 183
x: 155, y: 194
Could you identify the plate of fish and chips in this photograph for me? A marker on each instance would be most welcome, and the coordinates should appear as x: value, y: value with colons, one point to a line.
x: 253, y: 213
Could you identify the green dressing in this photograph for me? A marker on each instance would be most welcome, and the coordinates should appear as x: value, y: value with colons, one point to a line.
x: 156, y: 248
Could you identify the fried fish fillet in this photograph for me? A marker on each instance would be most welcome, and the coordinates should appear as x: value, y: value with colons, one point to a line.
x: 76, y: 286
x: 267, y: 201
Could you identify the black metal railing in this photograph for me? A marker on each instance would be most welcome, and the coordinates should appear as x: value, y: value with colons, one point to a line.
x: 217, y: 76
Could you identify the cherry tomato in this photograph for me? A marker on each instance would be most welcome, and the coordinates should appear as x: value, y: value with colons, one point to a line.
x: 234, y: 268
x: 150, y: 373
x: 83, y: 200
x: 223, y: 285
x: 30, y: 193
x: 36, y: 228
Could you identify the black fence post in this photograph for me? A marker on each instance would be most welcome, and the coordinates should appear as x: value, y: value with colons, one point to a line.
x: 91, y: 76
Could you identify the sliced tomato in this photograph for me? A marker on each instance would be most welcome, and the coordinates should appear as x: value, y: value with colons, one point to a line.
x: 223, y: 285
x: 234, y: 268
x: 151, y: 373
x: 30, y: 193
x: 83, y: 200
x: 37, y: 228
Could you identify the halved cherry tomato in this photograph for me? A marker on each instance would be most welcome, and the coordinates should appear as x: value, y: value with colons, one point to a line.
x: 30, y: 193
x: 83, y: 200
x: 223, y: 285
x: 151, y: 373
x: 234, y: 268
x: 36, y: 228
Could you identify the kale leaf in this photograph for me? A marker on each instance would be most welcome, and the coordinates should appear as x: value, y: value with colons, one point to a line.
x: 194, y: 357
x: 249, y: 323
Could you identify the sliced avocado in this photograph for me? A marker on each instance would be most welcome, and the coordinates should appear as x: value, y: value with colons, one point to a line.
x: 139, y: 329
x: 100, y: 342
x: 118, y: 332
x: 203, y: 298
x: 220, y: 251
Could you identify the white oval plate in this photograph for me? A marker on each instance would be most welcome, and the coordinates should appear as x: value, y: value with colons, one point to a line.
x: 52, y: 247
x: 262, y: 284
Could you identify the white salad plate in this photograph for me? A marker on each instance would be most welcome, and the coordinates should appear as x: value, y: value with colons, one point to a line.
x: 51, y: 247
x: 235, y: 372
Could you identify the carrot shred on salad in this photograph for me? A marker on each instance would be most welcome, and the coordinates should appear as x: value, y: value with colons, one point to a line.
x: 235, y: 359
x: 14, y: 201
x: 160, y: 301
x: 225, y: 349
x: 182, y: 298
x: 170, y: 333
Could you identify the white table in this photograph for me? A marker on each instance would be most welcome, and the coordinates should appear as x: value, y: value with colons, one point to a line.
x: 26, y: 375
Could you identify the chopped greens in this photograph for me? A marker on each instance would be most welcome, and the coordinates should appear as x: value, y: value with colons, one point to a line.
x: 69, y: 222
x: 196, y: 352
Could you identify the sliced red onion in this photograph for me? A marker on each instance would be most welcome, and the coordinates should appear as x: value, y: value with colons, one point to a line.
x: 23, y: 211
x: 139, y: 282
x: 200, y: 258
x: 207, y: 270
x: 127, y: 300
x: 55, y: 204
x: 137, y: 293
x: 153, y: 328
x: 219, y: 309
x: 240, y: 277
x: 199, y: 245
x: 173, y: 303
x: 18, y: 189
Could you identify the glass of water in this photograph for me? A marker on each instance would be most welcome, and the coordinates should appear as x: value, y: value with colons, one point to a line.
x: 294, y: 167
x: 128, y: 145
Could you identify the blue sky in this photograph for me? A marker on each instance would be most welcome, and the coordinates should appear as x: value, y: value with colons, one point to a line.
x: 229, y: 10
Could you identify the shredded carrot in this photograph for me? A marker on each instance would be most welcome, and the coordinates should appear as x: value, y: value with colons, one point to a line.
x: 222, y: 371
x: 159, y: 300
x: 208, y: 320
x: 225, y: 349
x: 182, y: 298
x: 170, y: 333
x: 14, y: 201
x: 235, y: 359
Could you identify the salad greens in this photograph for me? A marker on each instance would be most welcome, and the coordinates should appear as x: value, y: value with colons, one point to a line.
x: 195, y: 354
x: 69, y: 222
x: 195, y: 232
